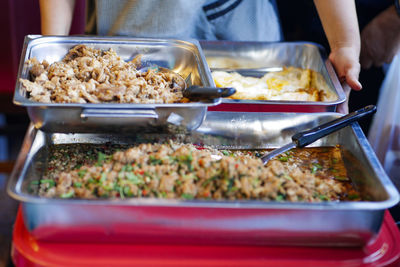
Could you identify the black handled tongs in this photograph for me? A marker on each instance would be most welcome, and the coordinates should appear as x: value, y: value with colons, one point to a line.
x: 305, y: 138
x: 194, y: 92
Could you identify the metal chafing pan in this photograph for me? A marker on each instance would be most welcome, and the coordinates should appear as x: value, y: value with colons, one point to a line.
x: 257, y: 58
x: 182, y: 56
x: 212, y: 222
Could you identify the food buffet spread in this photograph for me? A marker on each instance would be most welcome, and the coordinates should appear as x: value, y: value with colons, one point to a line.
x: 116, y: 154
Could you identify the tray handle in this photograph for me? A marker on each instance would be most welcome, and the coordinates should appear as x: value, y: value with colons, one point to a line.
x: 118, y: 113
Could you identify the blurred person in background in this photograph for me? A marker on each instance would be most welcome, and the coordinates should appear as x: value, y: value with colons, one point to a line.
x: 380, y: 44
x: 381, y: 38
x: 235, y: 20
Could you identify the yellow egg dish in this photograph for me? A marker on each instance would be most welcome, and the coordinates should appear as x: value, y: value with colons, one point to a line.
x: 291, y: 83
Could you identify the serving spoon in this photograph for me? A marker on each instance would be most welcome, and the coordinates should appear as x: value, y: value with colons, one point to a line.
x: 304, y: 138
x: 194, y: 92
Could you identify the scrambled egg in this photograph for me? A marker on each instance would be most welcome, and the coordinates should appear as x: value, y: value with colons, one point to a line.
x: 291, y: 83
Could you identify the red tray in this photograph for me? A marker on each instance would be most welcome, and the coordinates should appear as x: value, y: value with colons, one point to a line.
x: 26, y: 251
x: 243, y: 107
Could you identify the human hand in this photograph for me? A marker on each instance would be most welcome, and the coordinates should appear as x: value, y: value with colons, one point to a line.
x: 380, y: 39
x: 345, y: 61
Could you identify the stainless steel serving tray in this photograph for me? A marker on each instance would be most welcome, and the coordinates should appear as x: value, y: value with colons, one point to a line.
x: 182, y: 56
x: 212, y: 222
x: 257, y: 58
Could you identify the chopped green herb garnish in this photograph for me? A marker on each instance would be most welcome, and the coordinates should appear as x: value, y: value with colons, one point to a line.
x: 48, y: 181
x: 234, y: 188
x: 280, y: 198
x: 154, y: 192
x: 82, y: 173
x: 342, y: 178
x: 187, y: 196
x: 256, y: 182
x: 172, y: 159
x: 230, y: 184
x: 315, y: 167
x: 225, y: 152
x: 187, y: 160
x: 128, y: 167
x: 67, y: 195
x: 323, y: 197
x: 155, y: 161
x: 209, y: 180
x: 127, y: 191
x: 107, y: 187
x: 283, y: 158
x: 35, y: 182
x: 189, y: 176
x: 78, y: 166
x: 78, y: 184
x: 133, y: 178
x: 287, y: 177
x: 121, y: 192
x: 287, y: 153
x: 101, y: 157
x: 103, y: 177
x: 353, y: 196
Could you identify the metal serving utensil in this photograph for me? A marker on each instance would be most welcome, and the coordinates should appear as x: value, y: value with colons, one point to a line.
x: 195, y: 92
x: 305, y: 138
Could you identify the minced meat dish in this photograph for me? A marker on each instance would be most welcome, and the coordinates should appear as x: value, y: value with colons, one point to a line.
x: 88, y: 75
x: 171, y: 170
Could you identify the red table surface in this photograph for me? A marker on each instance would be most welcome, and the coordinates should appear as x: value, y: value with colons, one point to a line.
x: 26, y: 251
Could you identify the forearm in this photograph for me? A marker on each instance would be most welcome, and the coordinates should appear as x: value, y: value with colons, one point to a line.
x: 56, y: 16
x: 339, y: 19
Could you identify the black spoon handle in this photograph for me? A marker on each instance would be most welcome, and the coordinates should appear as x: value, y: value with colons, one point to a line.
x: 305, y: 138
x: 208, y: 92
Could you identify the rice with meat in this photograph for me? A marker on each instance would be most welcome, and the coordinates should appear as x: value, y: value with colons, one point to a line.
x: 186, y: 171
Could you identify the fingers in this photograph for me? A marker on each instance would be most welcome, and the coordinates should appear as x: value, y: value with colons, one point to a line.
x: 352, y: 78
x: 346, y: 63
